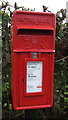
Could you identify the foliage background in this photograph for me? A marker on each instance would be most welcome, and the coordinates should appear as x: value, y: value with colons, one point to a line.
x: 60, y: 108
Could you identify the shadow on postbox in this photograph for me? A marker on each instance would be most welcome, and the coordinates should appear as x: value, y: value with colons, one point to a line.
x: 32, y: 51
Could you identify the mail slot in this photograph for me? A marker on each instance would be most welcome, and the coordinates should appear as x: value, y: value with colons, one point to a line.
x: 32, y: 52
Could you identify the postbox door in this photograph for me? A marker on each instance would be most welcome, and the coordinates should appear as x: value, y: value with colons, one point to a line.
x: 43, y: 95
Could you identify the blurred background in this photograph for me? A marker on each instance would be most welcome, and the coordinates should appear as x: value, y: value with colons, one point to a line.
x: 60, y: 107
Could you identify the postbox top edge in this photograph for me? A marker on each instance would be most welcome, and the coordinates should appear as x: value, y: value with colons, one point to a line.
x: 31, y: 12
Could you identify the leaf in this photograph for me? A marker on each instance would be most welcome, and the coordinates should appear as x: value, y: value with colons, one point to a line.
x: 10, y: 106
x: 5, y: 104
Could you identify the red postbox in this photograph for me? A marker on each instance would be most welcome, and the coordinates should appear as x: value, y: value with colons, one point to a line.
x: 33, y: 48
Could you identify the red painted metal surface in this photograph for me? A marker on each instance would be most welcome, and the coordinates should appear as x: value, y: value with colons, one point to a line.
x: 32, y: 32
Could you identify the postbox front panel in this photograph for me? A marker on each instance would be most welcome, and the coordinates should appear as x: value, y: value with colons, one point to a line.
x: 32, y: 60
